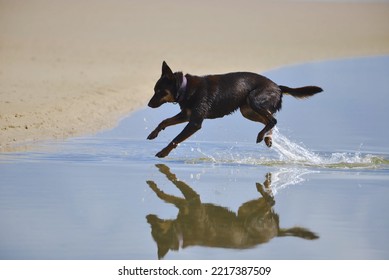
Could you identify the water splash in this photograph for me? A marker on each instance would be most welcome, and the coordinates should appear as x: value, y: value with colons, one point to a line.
x: 293, y: 153
x: 284, y: 153
x: 289, y: 151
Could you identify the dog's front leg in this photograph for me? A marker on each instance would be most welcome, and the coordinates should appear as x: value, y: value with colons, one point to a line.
x: 189, y: 130
x: 179, y: 118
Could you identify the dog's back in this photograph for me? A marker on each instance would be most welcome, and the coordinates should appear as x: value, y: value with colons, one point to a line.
x: 215, y: 96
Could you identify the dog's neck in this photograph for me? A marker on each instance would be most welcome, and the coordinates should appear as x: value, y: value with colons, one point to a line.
x: 182, y: 89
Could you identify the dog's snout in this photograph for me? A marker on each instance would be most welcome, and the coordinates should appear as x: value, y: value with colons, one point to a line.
x: 153, y: 103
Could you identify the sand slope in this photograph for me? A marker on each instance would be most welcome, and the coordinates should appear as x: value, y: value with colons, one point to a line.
x: 74, y: 67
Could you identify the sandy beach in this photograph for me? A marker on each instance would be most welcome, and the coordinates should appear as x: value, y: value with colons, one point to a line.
x: 70, y: 68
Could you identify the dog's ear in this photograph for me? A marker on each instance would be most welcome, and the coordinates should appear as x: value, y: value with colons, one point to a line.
x: 166, y: 71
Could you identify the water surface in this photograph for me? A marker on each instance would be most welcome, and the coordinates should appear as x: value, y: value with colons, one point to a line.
x: 320, y: 192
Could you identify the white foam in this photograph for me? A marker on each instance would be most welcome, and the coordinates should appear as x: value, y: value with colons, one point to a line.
x: 290, y: 152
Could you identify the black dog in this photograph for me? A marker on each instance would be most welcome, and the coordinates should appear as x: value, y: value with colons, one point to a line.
x: 214, y: 96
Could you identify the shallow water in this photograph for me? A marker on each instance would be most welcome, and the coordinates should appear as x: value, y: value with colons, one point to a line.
x: 320, y: 192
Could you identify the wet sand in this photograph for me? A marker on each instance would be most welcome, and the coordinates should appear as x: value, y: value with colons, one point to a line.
x: 75, y: 67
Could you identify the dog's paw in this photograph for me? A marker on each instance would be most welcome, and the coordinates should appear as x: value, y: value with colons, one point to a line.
x: 268, y: 141
x: 162, y: 153
x: 153, y: 135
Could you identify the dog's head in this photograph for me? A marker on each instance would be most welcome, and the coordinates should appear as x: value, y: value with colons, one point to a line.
x: 164, y: 233
x: 165, y: 90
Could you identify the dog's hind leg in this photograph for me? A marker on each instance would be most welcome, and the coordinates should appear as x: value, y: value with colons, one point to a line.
x: 265, y: 102
x: 252, y: 115
x: 271, y: 122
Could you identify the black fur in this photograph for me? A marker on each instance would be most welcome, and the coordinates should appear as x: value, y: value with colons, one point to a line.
x: 215, y: 96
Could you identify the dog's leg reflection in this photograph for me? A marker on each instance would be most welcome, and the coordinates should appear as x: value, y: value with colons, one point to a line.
x: 189, y: 194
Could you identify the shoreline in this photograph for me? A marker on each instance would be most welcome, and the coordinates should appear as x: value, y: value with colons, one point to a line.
x: 62, y: 78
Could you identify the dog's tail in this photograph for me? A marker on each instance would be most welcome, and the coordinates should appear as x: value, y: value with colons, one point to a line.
x: 301, y: 92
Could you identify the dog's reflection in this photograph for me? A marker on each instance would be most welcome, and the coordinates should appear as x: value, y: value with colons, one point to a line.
x: 205, y: 224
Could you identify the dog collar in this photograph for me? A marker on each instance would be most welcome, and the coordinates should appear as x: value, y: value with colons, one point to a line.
x: 182, y: 89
